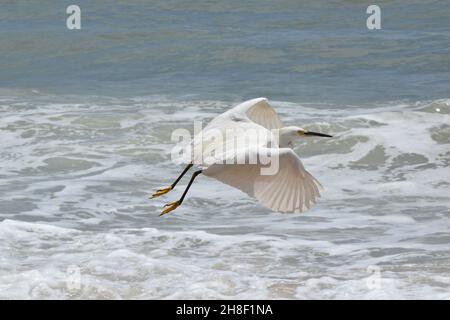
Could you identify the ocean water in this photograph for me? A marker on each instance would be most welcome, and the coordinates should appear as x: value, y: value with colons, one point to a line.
x: 86, y: 118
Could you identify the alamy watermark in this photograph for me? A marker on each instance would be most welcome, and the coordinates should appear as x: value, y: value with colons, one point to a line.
x: 373, y: 281
x: 73, y: 278
x: 73, y: 21
x: 373, y: 22
x: 227, y: 146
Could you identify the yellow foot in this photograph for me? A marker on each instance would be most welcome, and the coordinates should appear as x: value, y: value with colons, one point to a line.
x: 160, y: 192
x: 170, y: 207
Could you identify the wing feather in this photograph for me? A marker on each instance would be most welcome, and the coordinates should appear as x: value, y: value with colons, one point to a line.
x: 292, y: 195
x: 291, y: 189
x: 259, y: 111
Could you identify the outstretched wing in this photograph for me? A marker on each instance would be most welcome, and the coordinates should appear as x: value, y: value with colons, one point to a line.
x: 290, y: 189
x: 259, y: 111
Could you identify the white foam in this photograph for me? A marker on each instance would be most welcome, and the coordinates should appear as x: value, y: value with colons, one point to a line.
x: 88, y: 206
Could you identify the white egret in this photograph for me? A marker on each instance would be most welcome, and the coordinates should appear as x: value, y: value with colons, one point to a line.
x: 290, y: 189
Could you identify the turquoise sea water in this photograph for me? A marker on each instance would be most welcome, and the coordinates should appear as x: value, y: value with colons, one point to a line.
x: 287, y: 50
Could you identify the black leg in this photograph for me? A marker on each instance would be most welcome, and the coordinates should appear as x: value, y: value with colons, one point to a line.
x: 173, y: 205
x: 196, y: 173
x: 182, y: 174
x: 162, y: 191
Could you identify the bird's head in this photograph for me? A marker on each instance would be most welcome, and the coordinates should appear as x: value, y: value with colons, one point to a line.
x: 289, y: 134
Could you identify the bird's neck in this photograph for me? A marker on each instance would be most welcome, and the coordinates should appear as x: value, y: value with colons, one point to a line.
x: 285, y: 137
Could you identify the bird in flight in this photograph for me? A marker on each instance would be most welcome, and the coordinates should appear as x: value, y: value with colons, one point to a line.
x: 265, y: 166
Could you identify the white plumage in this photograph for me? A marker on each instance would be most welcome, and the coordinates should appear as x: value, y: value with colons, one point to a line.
x: 215, y: 150
x: 292, y: 189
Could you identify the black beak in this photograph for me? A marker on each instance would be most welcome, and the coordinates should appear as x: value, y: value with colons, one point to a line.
x: 317, y: 134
